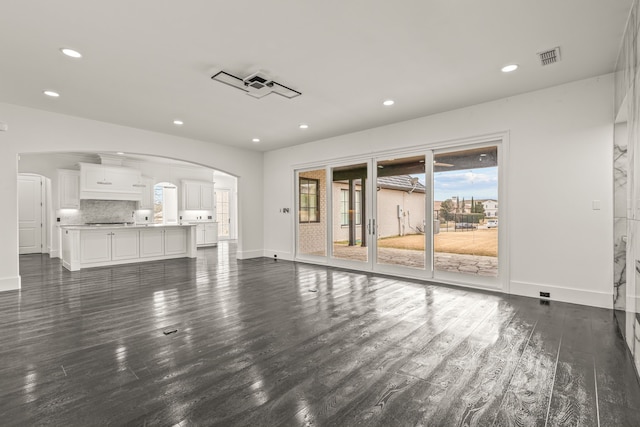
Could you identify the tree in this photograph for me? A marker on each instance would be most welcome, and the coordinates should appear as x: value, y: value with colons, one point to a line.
x: 478, y: 208
x: 463, y: 203
x: 447, y: 210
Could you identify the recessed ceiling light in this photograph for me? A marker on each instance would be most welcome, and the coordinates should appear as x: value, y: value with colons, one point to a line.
x: 388, y: 102
x: 71, y: 53
x: 255, y: 140
x: 509, y: 68
x: 178, y: 122
x: 51, y: 93
x: 120, y: 153
x: 303, y: 126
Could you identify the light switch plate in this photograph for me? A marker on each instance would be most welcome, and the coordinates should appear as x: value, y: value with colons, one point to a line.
x: 596, y: 205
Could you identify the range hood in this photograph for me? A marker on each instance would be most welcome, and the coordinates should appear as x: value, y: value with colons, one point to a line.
x: 107, y: 182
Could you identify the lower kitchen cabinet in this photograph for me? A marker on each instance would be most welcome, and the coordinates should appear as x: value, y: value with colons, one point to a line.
x: 175, y: 242
x: 124, y: 244
x: 207, y: 234
x: 151, y: 243
x: 95, y: 246
x: 83, y: 247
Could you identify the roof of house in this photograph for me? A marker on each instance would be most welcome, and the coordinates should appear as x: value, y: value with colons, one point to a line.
x: 400, y: 182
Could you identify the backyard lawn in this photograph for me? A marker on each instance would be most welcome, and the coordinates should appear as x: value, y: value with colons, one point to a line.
x: 477, y: 242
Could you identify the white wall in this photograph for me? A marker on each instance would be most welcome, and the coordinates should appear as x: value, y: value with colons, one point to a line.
x: 560, y: 151
x: 36, y: 131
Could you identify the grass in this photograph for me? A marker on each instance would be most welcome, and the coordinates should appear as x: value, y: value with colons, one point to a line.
x: 478, y: 242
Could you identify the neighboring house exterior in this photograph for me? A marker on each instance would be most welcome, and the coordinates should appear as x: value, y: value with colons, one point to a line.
x: 400, y: 210
x: 490, y: 208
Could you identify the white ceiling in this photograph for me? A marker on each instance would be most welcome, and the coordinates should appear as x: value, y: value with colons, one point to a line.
x: 148, y: 62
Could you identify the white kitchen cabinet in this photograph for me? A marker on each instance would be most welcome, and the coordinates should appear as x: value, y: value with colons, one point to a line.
x: 207, y: 233
x: 198, y: 195
x: 146, y: 187
x: 175, y: 241
x: 200, y: 234
x: 95, y: 246
x: 124, y: 244
x: 211, y: 233
x: 108, y: 245
x: 84, y: 246
x: 68, y: 189
x: 109, y: 182
x: 151, y: 243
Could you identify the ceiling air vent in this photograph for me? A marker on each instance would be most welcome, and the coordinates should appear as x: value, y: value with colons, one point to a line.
x: 550, y: 56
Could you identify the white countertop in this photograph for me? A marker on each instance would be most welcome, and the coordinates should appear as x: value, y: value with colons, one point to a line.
x: 120, y: 226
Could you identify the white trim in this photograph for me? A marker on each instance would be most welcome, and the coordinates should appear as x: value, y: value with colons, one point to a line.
x: 563, y: 294
x: 54, y: 253
x: 437, y: 145
x: 287, y: 256
x: 10, y: 283
x: 256, y: 253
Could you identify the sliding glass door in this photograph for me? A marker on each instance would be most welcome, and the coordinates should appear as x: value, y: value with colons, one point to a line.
x: 465, y: 203
x: 402, y: 218
x: 430, y: 214
x: 351, y: 225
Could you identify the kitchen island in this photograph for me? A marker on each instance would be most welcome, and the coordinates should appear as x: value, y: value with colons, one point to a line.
x: 94, y: 246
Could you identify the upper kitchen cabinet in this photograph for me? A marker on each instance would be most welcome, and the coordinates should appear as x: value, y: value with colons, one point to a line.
x: 109, y: 182
x: 68, y: 189
x: 146, y: 186
x: 198, y: 195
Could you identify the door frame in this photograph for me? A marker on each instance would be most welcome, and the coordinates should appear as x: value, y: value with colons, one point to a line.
x: 500, y: 139
x: 44, y: 208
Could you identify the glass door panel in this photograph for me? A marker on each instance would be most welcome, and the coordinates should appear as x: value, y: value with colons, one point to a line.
x: 465, y: 235
x: 350, y: 223
x: 312, y: 213
x: 401, y: 214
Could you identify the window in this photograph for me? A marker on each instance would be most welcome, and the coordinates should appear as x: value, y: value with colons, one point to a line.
x: 222, y: 212
x: 344, y: 207
x: 309, y: 200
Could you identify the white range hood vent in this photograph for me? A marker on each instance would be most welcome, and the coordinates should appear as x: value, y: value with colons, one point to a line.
x: 111, y: 159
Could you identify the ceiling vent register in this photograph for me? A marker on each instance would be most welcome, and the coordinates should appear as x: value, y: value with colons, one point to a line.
x: 550, y: 56
x: 257, y: 85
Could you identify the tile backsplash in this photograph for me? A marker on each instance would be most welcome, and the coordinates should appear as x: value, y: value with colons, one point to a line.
x: 99, y: 211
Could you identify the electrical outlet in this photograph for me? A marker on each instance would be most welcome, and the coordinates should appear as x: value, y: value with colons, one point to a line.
x: 545, y: 294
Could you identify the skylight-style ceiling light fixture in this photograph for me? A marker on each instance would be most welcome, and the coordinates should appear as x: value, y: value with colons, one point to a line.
x: 509, y: 68
x: 51, y: 93
x: 255, y: 140
x: 71, y: 53
x: 388, y: 102
x: 178, y: 122
x: 303, y: 126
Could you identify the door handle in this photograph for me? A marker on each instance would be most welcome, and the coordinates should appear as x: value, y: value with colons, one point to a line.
x: 373, y: 229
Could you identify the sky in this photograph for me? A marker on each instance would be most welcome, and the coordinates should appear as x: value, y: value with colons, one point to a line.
x: 476, y: 183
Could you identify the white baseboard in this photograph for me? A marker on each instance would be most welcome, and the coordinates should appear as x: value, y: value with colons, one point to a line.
x: 570, y: 295
x: 249, y: 254
x: 9, y: 283
x: 267, y: 253
x: 54, y: 254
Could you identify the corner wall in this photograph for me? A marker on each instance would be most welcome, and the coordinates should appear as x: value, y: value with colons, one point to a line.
x: 37, y: 131
x: 560, y: 151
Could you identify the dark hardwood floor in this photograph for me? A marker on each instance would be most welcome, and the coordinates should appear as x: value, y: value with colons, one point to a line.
x: 268, y: 343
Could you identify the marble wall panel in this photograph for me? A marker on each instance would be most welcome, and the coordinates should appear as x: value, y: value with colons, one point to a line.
x: 99, y: 211
x: 620, y: 263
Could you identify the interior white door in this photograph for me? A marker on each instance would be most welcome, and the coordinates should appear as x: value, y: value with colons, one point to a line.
x: 30, y: 202
x: 170, y: 205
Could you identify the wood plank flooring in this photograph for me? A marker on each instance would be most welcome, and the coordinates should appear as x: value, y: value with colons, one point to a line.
x: 275, y: 343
